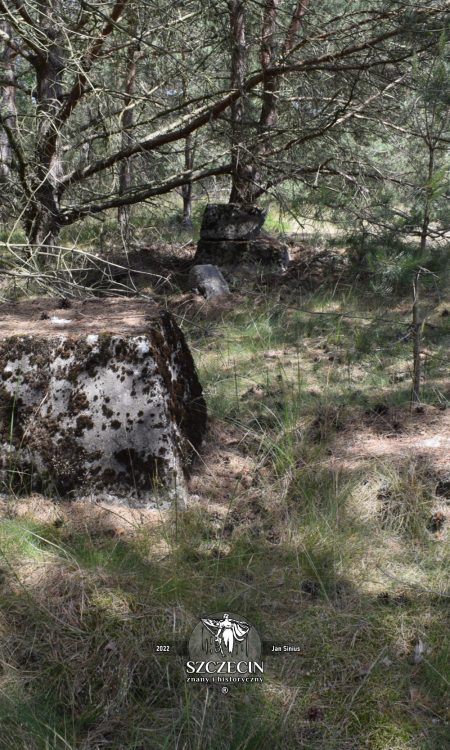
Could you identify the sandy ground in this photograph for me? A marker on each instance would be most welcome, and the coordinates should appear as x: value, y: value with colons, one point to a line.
x: 422, y: 433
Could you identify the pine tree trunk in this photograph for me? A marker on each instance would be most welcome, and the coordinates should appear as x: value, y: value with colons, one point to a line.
x: 417, y: 364
x: 43, y: 213
x: 427, y: 206
x: 242, y: 168
x: 246, y: 158
x: 125, y: 173
x: 186, y: 190
x: 186, y: 221
x: 7, y: 108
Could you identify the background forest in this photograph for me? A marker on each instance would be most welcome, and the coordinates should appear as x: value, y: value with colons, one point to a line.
x: 319, y: 506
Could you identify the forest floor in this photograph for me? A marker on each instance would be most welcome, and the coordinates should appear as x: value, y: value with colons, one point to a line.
x: 319, y: 510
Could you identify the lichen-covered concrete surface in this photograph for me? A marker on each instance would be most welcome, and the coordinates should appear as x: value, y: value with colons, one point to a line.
x: 230, y: 235
x: 91, y: 402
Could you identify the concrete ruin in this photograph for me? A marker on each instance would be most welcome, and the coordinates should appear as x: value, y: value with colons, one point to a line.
x: 102, y: 397
x: 208, y: 281
x: 231, y: 236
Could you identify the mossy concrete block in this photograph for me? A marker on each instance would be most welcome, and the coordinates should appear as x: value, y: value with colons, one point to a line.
x: 230, y: 221
x: 264, y: 252
x: 99, y: 404
x: 230, y: 236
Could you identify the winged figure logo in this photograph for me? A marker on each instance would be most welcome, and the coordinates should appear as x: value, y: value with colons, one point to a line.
x: 226, y: 633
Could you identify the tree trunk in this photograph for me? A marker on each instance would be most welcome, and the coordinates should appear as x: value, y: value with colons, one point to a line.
x: 417, y: 330
x: 428, y: 199
x: 247, y: 175
x: 269, y: 115
x: 7, y: 108
x: 417, y: 324
x: 241, y: 165
x: 125, y: 172
x: 42, y: 218
x: 186, y: 190
x: 186, y: 220
x: 247, y: 160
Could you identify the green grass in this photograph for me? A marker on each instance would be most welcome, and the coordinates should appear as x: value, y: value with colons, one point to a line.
x: 337, y: 560
x: 76, y: 642
x: 79, y: 638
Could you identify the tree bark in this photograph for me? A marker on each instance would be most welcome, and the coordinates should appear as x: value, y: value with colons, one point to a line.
x: 7, y: 108
x: 417, y: 329
x: 186, y: 190
x: 125, y: 170
x: 42, y: 217
x: 269, y: 115
x: 246, y: 159
x: 428, y: 199
x: 241, y: 170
